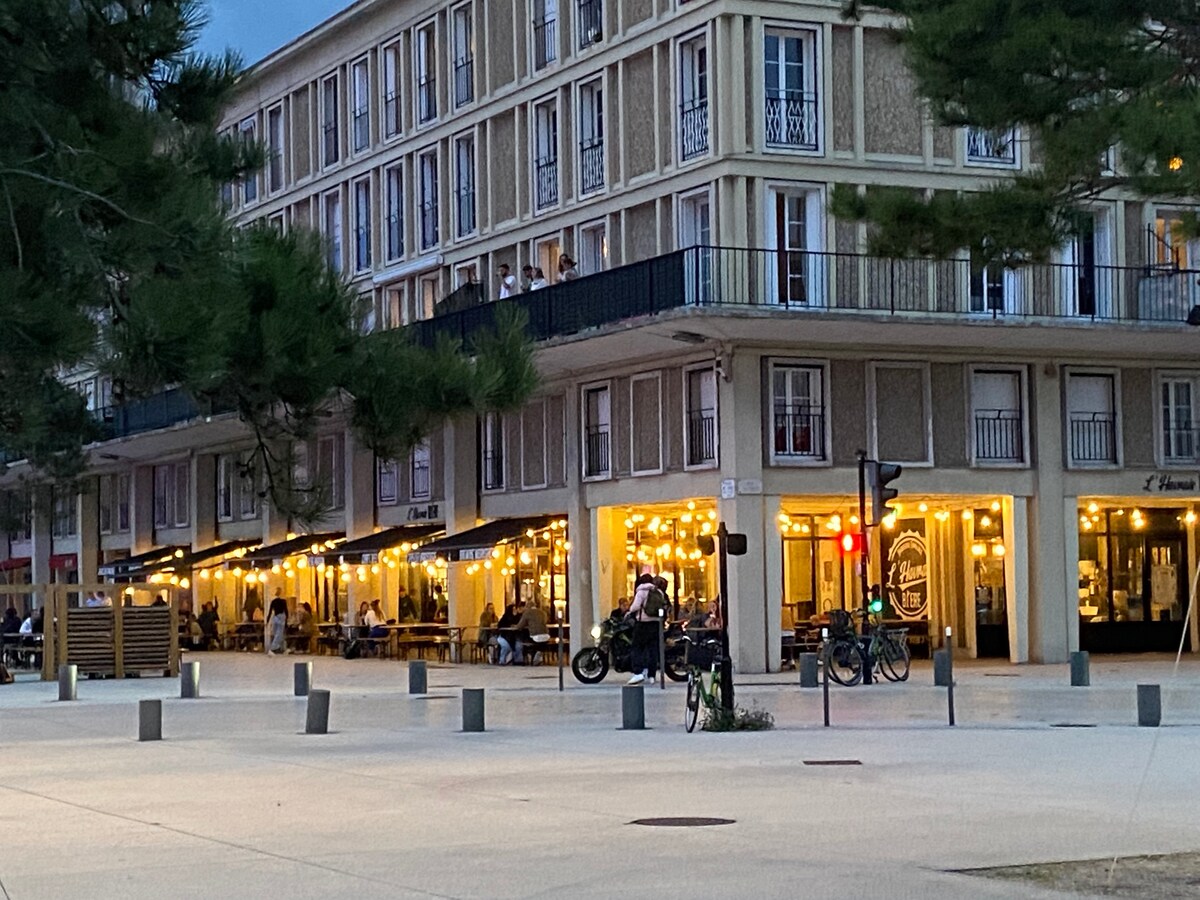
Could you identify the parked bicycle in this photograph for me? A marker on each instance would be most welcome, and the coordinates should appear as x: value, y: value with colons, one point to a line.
x: 703, y: 662
x: 846, y: 651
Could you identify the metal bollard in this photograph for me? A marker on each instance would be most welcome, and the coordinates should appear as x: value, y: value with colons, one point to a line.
x: 808, y: 670
x: 633, y: 707
x: 950, y: 672
x: 189, y: 680
x: 472, y: 709
x: 1081, y: 675
x: 68, y: 678
x: 418, y: 681
x: 1149, y: 705
x: 302, y: 678
x: 825, y: 680
x: 317, y: 719
x: 149, y: 720
x: 941, y: 668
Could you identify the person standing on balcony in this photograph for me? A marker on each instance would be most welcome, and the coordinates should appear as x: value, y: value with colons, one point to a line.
x: 526, y: 279
x: 567, y: 270
x: 508, y: 281
x: 539, y: 280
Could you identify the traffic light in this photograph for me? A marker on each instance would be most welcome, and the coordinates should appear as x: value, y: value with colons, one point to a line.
x: 850, y: 542
x: 879, y: 475
x: 875, y: 601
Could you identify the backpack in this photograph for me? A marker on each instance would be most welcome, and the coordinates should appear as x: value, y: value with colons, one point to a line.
x: 656, y: 603
x: 353, y: 650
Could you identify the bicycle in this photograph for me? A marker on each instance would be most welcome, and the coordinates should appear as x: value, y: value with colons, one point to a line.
x: 699, y: 658
x: 845, y: 653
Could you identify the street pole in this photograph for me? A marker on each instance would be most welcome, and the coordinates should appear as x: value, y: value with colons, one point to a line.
x: 865, y: 556
x: 723, y: 587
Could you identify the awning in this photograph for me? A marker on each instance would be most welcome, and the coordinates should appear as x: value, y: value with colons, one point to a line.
x: 478, y: 542
x: 367, y: 549
x: 197, y: 558
x: 124, y: 568
x: 303, y: 544
x: 14, y: 562
x: 64, y: 562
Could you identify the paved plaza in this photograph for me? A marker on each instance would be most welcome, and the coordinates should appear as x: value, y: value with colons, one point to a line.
x: 397, y: 802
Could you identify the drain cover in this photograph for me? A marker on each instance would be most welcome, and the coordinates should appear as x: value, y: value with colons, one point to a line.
x: 832, y: 762
x: 682, y: 822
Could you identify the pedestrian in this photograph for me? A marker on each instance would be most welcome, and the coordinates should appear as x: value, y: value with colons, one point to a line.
x: 526, y: 279
x: 566, y: 269
x: 539, y: 280
x: 648, y: 603
x: 277, y: 626
x: 508, y: 281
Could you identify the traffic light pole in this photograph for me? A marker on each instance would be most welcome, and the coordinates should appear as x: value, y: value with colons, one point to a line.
x: 865, y: 557
x: 723, y: 587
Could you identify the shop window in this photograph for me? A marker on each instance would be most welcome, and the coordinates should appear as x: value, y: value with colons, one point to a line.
x: 798, y: 423
x: 387, y: 482
x: 1091, y: 419
x: 171, y: 495
x: 597, y: 429
x: 665, y: 540
x: 1177, y: 415
x: 998, y: 418
x: 988, y: 552
x: 700, y: 433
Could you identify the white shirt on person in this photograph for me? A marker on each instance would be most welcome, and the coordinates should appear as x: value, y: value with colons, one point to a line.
x: 373, y: 620
x: 537, y: 284
x: 508, y: 286
x: 27, y: 626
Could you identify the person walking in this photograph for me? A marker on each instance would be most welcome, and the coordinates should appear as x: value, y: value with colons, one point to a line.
x: 277, y: 627
x: 648, y: 603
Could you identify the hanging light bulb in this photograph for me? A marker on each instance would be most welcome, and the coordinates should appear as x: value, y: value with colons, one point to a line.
x: 922, y: 507
x: 1190, y: 517
x: 967, y: 515
x: 995, y: 506
x: 998, y: 550
x: 978, y: 549
x: 1093, y: 508
x: 204, y: 576
x: 526, y: 559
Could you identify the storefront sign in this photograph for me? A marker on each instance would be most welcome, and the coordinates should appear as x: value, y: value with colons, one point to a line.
x: 428, y: 512
x: 1171, y: 483
x: 750, y: 486
x: 907, y: 569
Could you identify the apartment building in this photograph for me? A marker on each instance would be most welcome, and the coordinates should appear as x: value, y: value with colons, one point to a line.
x: 726, y: 352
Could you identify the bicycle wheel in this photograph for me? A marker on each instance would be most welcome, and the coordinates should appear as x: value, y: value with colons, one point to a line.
x: 715, y: 692
x: 894, y: 658
x: 844, y: 661
x: 692, y: 710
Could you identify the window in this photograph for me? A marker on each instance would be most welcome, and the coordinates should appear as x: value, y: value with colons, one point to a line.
x: 899, y: 400
x: 329, y: 121
x: 464, y: 184
x: 1091, y: 419
x: 362, y: 225
x: 248, y: 131
x: 700, y: 434
x: 387, y: 482
x: 693, y: 99
x: 237, y: 489
x: 1178, y: 416
x: 20, y: 516
x: 695, y: 230
x: 989, y: 288
x: 992, y: 148
x: 419, y: 465
x: 645, y: 424
x: 428, y: 292
x: 64, y: 521
x: 798, y: 276
x: 597, y: 429
x: 591, y: 22
x: 171, y: 506
x: 331, y: 480
x: 492, y: 444
x: 426, y: 80
x: 113, y: 503
x: 545, y: 148
x: 391, y: 90
x: 429, y: 204
x: 464, y: 56
x: 593, y: 248
x: 545, y: 33
x: 333, y: 229
x: 361, y: 81
x: 394, y: 189
x: 998, y: 415
x: 275, y: 149
x: 791, y: 90
x: 591, y: 138
x: 798, y: 412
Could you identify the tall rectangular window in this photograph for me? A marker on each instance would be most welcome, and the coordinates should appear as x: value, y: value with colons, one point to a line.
x: 998, y: 416
x: 464, y: 55
x: 791, y: 89
x: 700, y: 387
x: 464, y: 185
x: 545, y: 32
x: 331, y: 474
x: 361, y: 82
x: 420, y: 463
x: 590, y: 16
x: 393, y: 179
x: 275, y: 147
x: 171, y: 496
x: 249, y: 134
x: 64, y: 521
x: 693, y: 99
x: 597, y: 432
x: 591, y: 138
x: 330, y: 152
x: 237, y: 489
x: 387, y: 482
x: 391, y: 90
x: 426, y: 74
x: 332, y: 224
x: 492, y: 441
x: 427, y: 163
x: 1091, y: 419
x: 1177, y: 413
x: 798, y: 412
x: 545, y: 166
x: 593, y: 248
x: 362, y: 225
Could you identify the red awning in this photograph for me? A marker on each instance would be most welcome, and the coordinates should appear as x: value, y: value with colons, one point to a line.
x: 16, y: 562
x: 64, y: 561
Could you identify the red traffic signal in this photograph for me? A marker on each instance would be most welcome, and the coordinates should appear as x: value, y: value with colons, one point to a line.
x: 850, y: 542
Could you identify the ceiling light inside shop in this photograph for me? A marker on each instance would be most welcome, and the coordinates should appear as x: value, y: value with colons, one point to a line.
x: 967, y: 515
x: 922, y: 507
x: 1190, y: 517
x: 995, y: 506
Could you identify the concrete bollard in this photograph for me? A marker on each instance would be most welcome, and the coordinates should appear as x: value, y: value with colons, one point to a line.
x: 942, y: 668
x: 633, y: 707
x: 1081, y: 675
x: 472, y: 709
x: 418, y: 681
x: 189, y: 680
x: 68, y: 678
x: 1149, y: 705
x: 317, y: 719
x: 149, y: 720
x: 302, y: 678
x: 808, y: 670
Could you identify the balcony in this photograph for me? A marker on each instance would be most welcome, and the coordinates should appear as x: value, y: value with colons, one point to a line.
x: 595, y: 452
x: 545, y: 188
x: 545, y: 42
x: 1093, y: 438
x: 999, y: 436
x: 800, y: 433
x: 591, y: 165
x: 701, y: 437
x: 791, y: 120
x: 693, y: 129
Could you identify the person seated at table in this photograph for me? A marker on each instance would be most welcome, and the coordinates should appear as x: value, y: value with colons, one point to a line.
x: 620, y: 611
x: 375, y: 621
x: 193, y: 634
x: 532, y: 625
x: 33, y: 623
x: 11, y: 624
x: 506, y: 639
x: 208, y: 620
x: 306, y: 628
x: 441, y: 606
x: 487, y: 623
x: 688, y: 609
x: 406, y: 609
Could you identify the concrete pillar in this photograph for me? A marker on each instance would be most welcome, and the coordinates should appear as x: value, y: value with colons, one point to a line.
x: 42, y: 544
x: 204, y: 501
x: 1017, y: 576
x: 1050, y: 637
x: 461, y: 468
x: 141, y: 509
x: 359, y: 491
x: 88, y: 528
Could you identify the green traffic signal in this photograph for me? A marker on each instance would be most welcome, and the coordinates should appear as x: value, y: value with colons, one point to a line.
x: 876, y: 605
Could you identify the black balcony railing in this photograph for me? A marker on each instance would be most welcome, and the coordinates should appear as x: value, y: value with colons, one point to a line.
x: 999, y: 435
x: 595, y: 452
x: 362, y: 129
x: 591, y: 22
x: 464, y: 81
x: 800, y: 432
x: 395, y: 235
x: 591, y: 165
x: 429, y: 225
x: 693, y: 128
x: 545, y: 193
x: 493, y: 471
x: 996, y: 147
x: 427, y: 99
x: 1180, y: 444
x: 329, y: 147
x: 545, y: 42
x: 420, y: 479
x: 1093, y: 437
x: 701, y: 437
x: 791, y: 119
x: 391, y: 114
x: 466, y: 210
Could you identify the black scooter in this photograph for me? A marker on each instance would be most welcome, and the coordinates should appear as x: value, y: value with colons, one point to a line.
x: 614, y: 649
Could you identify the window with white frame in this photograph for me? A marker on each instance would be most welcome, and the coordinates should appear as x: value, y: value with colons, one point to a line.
x: 330, y: 151
x: 1091, y: 418
x: 362, y: 225
x: 464, y: 184
x: 64, y: 519
x: 360, y: 79
x: 427, y: 164
x: 237, y: 489
x: 113, y: 503
x: 545, y: 148
x: 275, y: 149
x: 985, y: 147
x: 1177, y: 415
x: 998, y: 416
x: 700, y: 409
x: 393, y: 186
x: 593, y: 248
x: 990, y: 287
x: 330, y: 474
x: 419, y: 462
x: 391, y: 90
x: 428, y: 291
x: 545, y: 32
x: 597, y: 431
x: 464, y: 55
x: 790, y: 81
x: 591, y: 137
x: 492, y: 447
x: 798, y: 416
x: 387, y: 482
x: 693, y: 98
x: 590, y: 19
x: 249, y: 134
x: 332, y: 226
x: 171, y: 495
x: 796, y: 225
x: 426, y: 60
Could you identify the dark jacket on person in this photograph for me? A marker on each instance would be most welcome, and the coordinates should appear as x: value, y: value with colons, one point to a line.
x: 11, y: 623
x: 509, y: 618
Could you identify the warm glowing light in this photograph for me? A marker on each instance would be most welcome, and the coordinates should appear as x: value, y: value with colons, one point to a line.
x: 510, y: 562
x: 251, y: 578
x: 219, y: 574
x: 978, y: 549
x: 998, y: 550
x: 967, y: 515
x: 487, y: 563
x: 204, y: 576
x: 629, y: 524
x: 291, y: 574
x: 375, y: 569
x: 291, y: 535
x: 784, y: 517
x: 995, y: 506
x: 691, y: 505
x: 302, y: 562
x: 361, y: 572
x: 1175, y: 163
x: 712, y: 515
x: 985, y: 521
x: 889, y: 521
x: 274, y: 570
x: 174, y: 579
x: 1190, y: 517
x: 496, y: 553
x: 922, y: 507
x: 854, y: 520
x: 1093, y: 508
x: 321, y: 567
x: 804, y: 529
x: 526, y: 559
